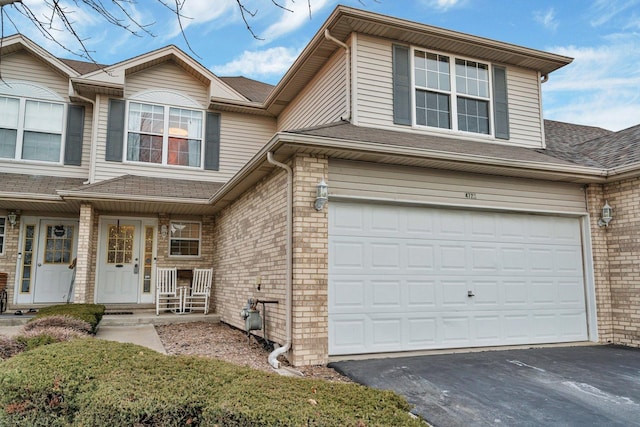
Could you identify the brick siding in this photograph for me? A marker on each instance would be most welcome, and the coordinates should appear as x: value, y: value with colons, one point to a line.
x: 617, y: 271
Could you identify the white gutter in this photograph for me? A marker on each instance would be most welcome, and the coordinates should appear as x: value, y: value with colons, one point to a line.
x: 273, y: 357
x: 347, y: 72
x: 81, y: 195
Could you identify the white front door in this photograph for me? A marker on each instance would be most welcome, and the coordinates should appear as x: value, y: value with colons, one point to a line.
x: 55, y: 250
x: 120, y: 271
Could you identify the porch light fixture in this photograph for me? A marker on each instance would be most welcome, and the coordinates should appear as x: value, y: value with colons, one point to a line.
x: 607, y: 215
x: 12, y: 217
x: 322, y: 195
x: 164, y: 231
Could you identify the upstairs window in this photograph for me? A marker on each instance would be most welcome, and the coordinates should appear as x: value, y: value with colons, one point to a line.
x: 451, y: 93
x: 164, y: 135
x: 31, y: 129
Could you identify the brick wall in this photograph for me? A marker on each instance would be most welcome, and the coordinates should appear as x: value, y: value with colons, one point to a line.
x: 310, y: 264
x: 623, y: 252
x: 10, y: 257
x: 83, y: 289
x: 595, y: 201
x: 249, y: 239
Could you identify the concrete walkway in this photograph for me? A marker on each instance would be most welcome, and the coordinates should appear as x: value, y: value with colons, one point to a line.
x: 144, y: 335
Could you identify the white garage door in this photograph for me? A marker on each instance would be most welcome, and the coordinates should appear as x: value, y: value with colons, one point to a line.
x: 410, y: 278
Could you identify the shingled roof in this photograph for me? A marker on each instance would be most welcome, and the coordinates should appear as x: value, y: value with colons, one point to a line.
x: 35, y: 185
x: 566, y: 140
x: 347, y: 131
x: 131, y: 187
x: 253, y: 90
x: 82, y: 67
x: 614, y: 150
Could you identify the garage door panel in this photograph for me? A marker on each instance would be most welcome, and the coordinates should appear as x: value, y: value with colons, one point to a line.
x: 452, y: 258
x: 386, y: 294
x: 348, y: 335
x: 399, y: 279
x: 348, y: 295
x: 421, y: 332
x: 456, y: 330
x: 385, y: 256
x: 421, y: 294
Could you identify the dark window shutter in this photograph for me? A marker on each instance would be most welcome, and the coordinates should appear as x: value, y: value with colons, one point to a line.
x: 500, y: 104
x: 75, y: 131
x: 401, y: 86
x: 115, y: 130
x: 212, y: 142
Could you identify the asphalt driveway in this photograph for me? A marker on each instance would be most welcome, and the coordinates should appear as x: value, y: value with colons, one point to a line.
x: 562, y: 386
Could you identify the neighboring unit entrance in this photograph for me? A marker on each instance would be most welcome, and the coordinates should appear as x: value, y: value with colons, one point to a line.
x: 411, y: 278
x: 125, y: 256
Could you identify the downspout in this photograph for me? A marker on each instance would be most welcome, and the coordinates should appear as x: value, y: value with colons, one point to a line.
x: 545, y: 78
x: 273, y: 357
x: 347, y: 49
x: 94, y: 131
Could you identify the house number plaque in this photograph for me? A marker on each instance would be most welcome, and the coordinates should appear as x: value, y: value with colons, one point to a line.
x: 470, y: 196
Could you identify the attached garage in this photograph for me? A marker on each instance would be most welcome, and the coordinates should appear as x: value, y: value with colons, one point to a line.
x: 411, y: 278
x: 408, y: 277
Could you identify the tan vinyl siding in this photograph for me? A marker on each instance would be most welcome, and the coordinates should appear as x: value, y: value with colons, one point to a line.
x: 374, y: 83
x: 525, y: 124
x: 26, y: 67
x: 438, y: 187
x: 22, y: 66
x: 167, y: 76
x: 322, y: 101
x: 374, y: 95
x: 241, y: 137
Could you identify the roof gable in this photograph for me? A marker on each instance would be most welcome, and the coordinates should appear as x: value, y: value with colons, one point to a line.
x: 18, y: 42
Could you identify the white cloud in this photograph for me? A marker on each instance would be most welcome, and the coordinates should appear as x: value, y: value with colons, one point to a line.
x: 259, y: 64
x: 83, y: 20
x: 442, y: 5
x: 197, y: 12
x: 604, y: 11
x: 292, y: 19
x: 600, y: 88
x: 547, y: 19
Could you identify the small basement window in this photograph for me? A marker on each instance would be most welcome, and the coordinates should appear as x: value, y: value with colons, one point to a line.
x: 184, y: 238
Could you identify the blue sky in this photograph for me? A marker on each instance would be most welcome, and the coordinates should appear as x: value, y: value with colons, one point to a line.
x: 600, y: 88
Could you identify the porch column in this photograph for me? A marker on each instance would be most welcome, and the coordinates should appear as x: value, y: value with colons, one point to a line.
x: 83, y: 291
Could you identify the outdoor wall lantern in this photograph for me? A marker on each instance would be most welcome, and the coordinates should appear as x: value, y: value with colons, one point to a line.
x: 12, y: 217
x: 164, y: 231
x: 607, y: 215
x: 322, y: 195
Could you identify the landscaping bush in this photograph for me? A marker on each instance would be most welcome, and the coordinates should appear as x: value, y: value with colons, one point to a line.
x: 60, y: 321
x: 96, y: 382
x: 9, y: 347
x: 90, y: 313
x: 48, y: 335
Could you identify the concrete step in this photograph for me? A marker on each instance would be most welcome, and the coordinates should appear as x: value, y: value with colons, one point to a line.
x: 150, y: 318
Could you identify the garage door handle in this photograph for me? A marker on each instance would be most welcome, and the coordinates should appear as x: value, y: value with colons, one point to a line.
x: 470, y: 294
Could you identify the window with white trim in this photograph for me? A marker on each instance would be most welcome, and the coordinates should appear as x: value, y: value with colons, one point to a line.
x: 31, y: 129
x: 184, y: 238
x: 451, y: 93
x: 3, y: 234
x: 164, y: 135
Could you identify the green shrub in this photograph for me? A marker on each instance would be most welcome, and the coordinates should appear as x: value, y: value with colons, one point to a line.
x: 45, y: 335
x: 90, y: 313
x: 60, y: 321
x: 96, y: 382
x: 9, y: 347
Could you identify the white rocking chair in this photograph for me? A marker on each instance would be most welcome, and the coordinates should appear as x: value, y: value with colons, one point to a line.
x: 200, y: 290
x: 168, y: 296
